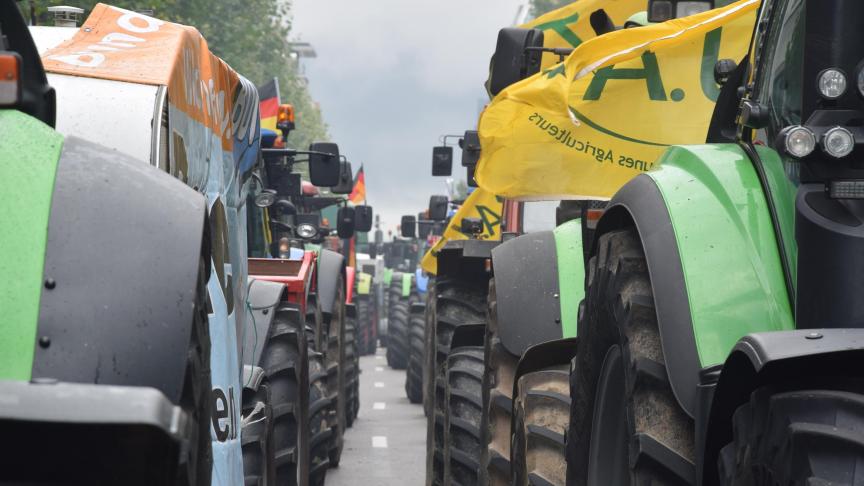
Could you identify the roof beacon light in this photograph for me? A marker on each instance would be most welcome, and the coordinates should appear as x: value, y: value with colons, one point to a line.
x: 838, y: 142
x: 686, y: 9
x: 10, y: 86
x: 832, y: 83
x: 797, y: 141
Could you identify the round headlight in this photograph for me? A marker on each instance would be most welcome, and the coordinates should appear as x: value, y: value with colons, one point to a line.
x: 838, y: 142
x: 832, y: 83
x: 306, y: 230
x: 861, y: 81
x: 265, y: 198
x: 797, y: 141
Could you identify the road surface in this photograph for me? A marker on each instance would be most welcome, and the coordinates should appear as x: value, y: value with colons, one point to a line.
x: 387, y: 444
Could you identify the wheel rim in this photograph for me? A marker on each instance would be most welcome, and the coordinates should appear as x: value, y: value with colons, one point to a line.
x: 608, y: 460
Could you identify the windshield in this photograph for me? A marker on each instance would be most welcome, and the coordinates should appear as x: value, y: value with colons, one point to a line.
x: 538, y: 216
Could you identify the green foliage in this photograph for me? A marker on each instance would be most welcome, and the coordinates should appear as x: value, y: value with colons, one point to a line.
x: 540, y: 7
x: 251, y: 36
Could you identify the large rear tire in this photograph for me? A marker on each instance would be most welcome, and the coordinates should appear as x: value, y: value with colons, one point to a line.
x: 285, y: 361
x: 367, y: 342
x: 397, y: 332
x: 499, y: 372
x: 796, y: 437
x: 336, y: 365
x: 463, y: 398
x: 197, y: 463
x: 416, y: 354
x: 626, y: 427
x: 542, y: 412
x: 456, y: 303
x: 257, y: 437
x: 352, y: 371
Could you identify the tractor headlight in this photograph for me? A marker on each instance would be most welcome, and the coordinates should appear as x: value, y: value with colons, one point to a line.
x: 861, y: 81
x: 838, y: 142
x: 306, y: 230
x: 832, y: 83
x: 686, y: 9
x: 797, y: 141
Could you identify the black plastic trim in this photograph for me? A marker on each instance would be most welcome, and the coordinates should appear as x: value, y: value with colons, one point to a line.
x: 640, y: 203
x: 330, y: 266
x: 544, y: 355
x: 526, y: 280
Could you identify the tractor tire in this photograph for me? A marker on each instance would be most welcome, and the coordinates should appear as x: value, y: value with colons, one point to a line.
x: 626, y: 426
x: 285, y: 361
x: 499, y: 372
x: 320, y: 434
x: 416, y: 356
x: 256, y: 441
x: 197, y: 463
x: 397, y: 333
x: 456, y: 303
x: 542, y: 414
x: 352, y: 371
x: 463, y: 398
x: 337, y: 392
x: 428, y: 344
x: 367, y: 342
x: 810, y: 436
x: 318, y: 339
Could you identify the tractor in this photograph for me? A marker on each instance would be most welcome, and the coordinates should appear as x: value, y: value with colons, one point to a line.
x: 721, y: 353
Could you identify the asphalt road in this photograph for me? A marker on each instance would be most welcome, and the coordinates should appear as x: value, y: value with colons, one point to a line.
x: 387, y: 444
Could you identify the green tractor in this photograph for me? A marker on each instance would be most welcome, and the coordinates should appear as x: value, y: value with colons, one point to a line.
x: 717, y: 335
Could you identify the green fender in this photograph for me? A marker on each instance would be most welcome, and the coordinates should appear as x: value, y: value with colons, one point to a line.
x: 571, y: 273
x: 712, y: 255
x: 29, y: 152
x: 388, y: 276
x: 406, y: 284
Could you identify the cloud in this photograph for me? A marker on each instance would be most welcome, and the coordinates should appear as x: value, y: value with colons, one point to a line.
x: 393, y: 75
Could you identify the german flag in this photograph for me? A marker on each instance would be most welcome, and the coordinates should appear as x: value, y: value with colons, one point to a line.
x: 358, y: 194
x: 269, y: 104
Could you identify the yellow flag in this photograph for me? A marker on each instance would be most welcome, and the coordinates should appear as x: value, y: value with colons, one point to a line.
x: 570, y: 26
x: 584, y: 127
x: 480, y: 204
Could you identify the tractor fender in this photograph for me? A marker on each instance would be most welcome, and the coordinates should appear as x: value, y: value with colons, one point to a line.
x: 466, y: 260
x: 331, y: 265
x: 800, y: 356
x: 527, y: 291
x: 263, y: 298
x: 121, y: 272
x: 406, y: 284
x: 350, y: 275
x: 712, y: 256
x: 544, y: 355
x: 468, y: 335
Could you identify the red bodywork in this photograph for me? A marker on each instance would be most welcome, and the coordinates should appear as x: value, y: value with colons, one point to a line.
x: 295, y: 274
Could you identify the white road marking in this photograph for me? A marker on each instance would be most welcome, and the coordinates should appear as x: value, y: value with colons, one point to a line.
x: 379, y: 406
x: 379, y: 357
x: 379, y: 441
x: 379, y: 384
x: 379, y: 368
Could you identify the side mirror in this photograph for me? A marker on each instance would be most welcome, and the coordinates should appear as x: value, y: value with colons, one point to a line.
x: 362, y: 218
x: 346, y: 179
x: 438, y: 208
x: 438, y: 228
x: 470, y: 148
x: 514, y: 58
x: 408, y: 225
x: 601, y: 22
x: 345, y: 222
x: 723, y: 70
x: 424, y: 227
x: 663, y: 10
x: 379, y: 237
x: 324, y: 164
x: 442, y: 161
x: 471, y: 226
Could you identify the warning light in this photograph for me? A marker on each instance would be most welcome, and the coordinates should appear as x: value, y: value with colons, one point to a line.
x: 10, y: 85
x: 285, y: 119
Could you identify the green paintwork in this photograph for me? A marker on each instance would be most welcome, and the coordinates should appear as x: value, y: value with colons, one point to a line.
x: 364, y: 283
x: 571, y: 273
x: 406, y: 284
x: 728, y: 249
x: 29, y: 152
x: 783, y: 192
x: 388, y: 276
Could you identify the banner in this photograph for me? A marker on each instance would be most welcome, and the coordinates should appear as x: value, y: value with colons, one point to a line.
x: 480, y: 204
x: 584, y: 127
x: 570, y: 26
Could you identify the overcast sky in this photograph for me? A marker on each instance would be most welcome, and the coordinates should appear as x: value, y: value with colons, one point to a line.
x: 393, y: 75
